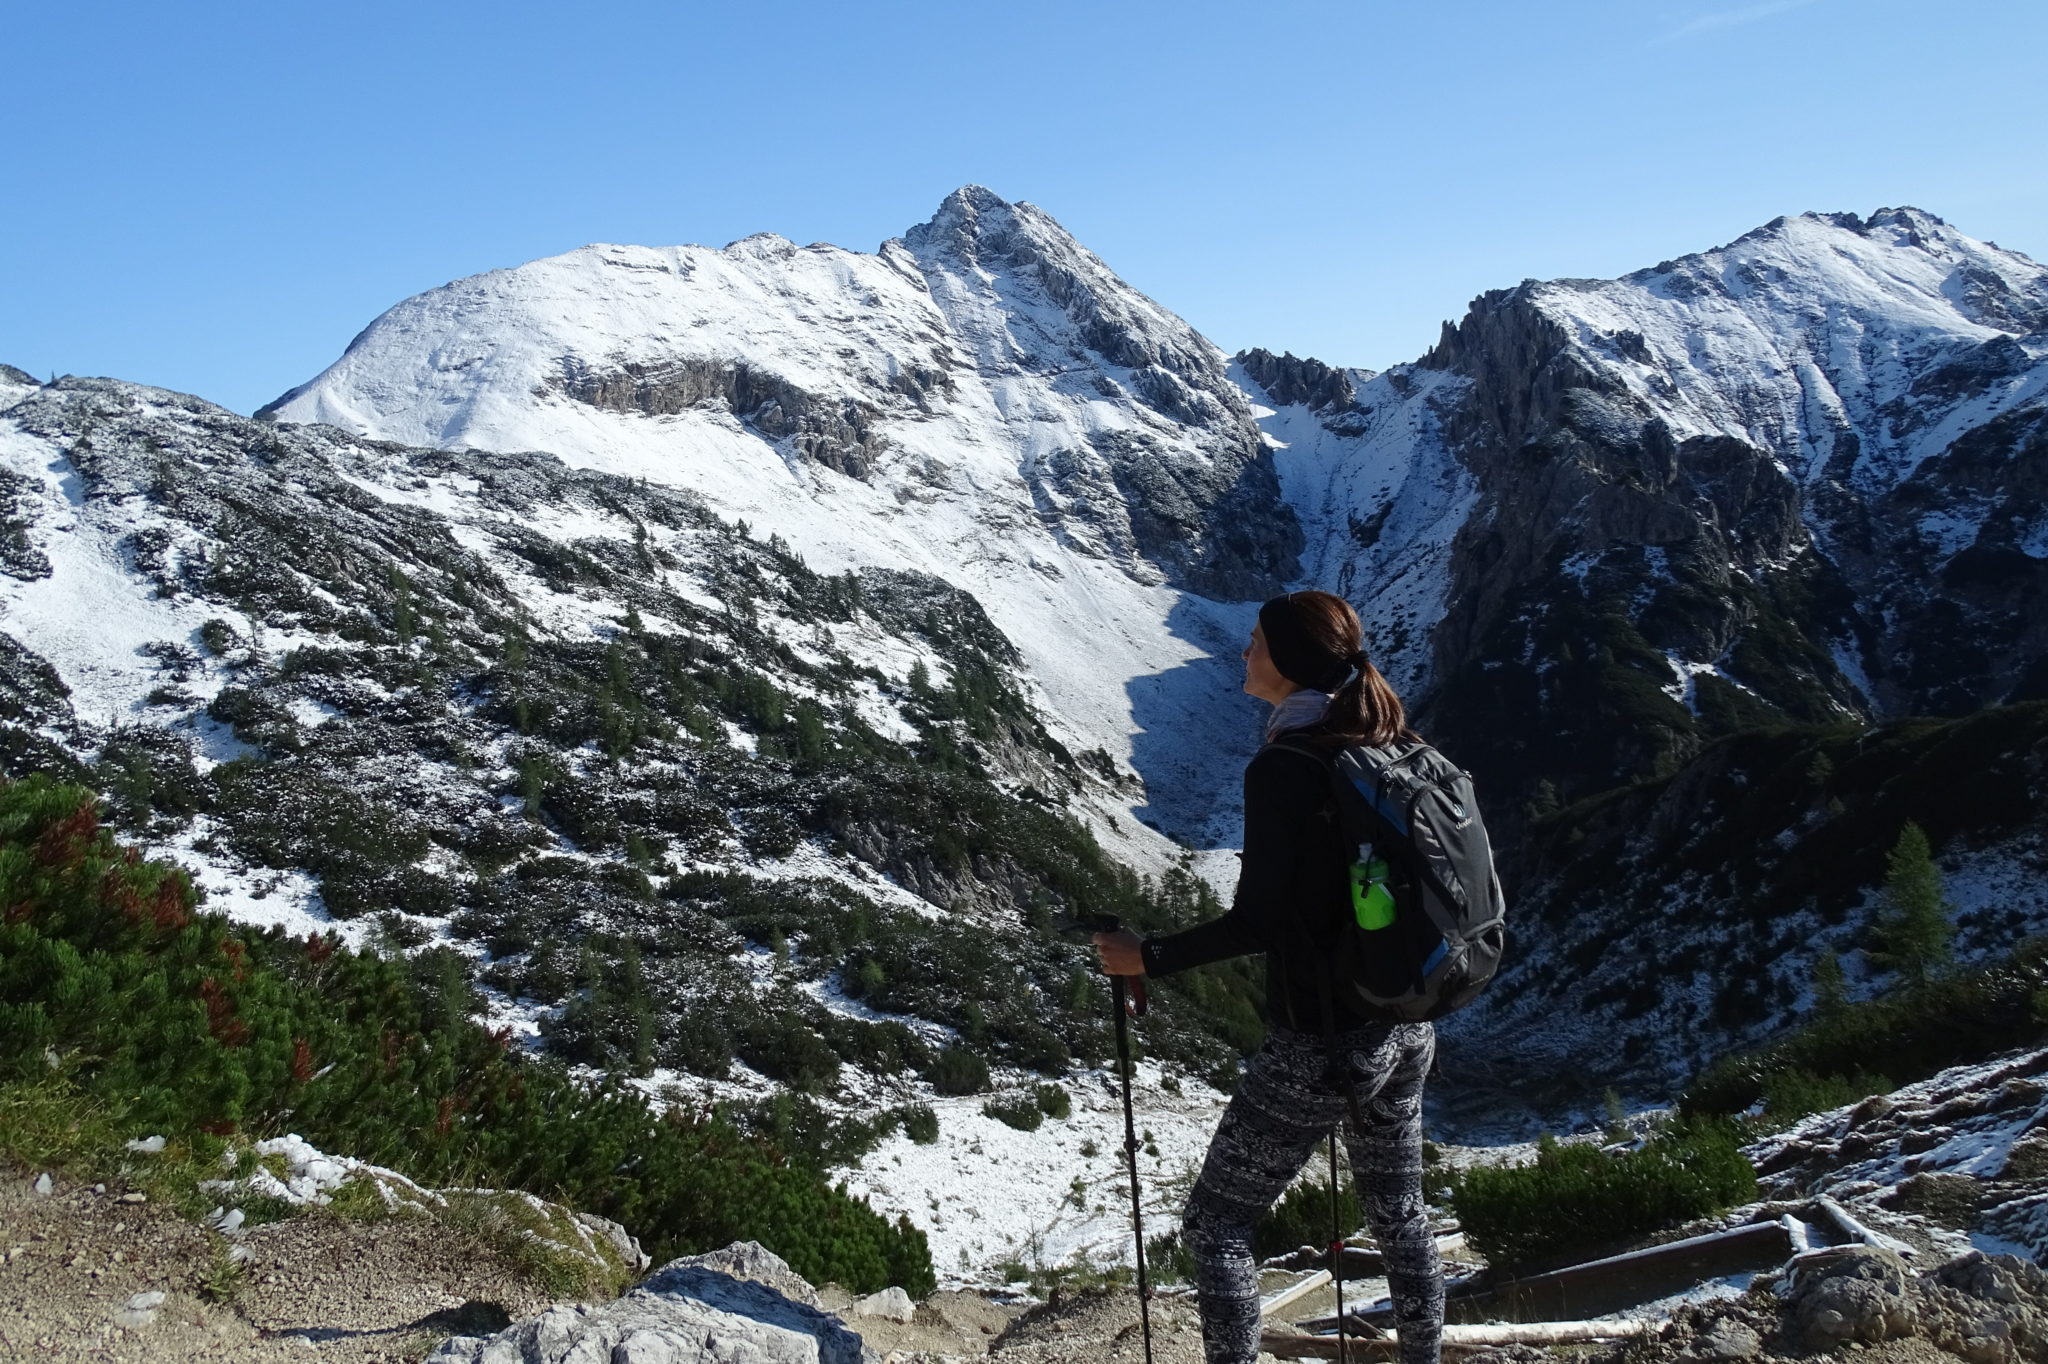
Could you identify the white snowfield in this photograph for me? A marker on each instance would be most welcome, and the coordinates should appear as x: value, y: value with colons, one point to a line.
x: 990, y: 1198
x: 1386, y: 463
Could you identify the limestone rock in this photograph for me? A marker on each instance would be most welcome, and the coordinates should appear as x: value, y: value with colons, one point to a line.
x: 622, y: 1241
x: 686, y: 1313
x: 892, y: 1302
x: 755, y: 1263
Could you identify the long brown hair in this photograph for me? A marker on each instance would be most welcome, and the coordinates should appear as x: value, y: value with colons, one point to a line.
x: 1366, y: 709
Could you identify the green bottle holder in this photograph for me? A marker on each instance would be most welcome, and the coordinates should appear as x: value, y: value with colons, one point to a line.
x: 1372, y: 904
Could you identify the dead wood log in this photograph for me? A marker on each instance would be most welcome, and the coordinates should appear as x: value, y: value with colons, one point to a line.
x: 1294, y: 1292
x: 1615, y: 1283
x: 1457, y: 1339
x: 1856, y: 1231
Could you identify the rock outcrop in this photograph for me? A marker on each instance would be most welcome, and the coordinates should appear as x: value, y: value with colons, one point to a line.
x: 741, y: 1305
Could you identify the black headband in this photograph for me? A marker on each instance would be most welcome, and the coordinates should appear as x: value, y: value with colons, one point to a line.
x: 1295, y: 652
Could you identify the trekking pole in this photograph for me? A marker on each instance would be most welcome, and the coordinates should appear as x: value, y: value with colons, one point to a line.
x: 1129, y: 1001
x: 1336, y: 1247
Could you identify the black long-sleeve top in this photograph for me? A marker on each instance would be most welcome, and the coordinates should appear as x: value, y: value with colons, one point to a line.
x: 1291, y: 887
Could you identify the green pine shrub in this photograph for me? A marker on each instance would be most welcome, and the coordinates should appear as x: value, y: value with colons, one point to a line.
x: 1579, y: 1200
x: 1917, y: 1030
x: 1020, y: 1111
x: 1792, y: 1094
x: 163, y: 1018
x: 1302, y: 1218
x: 956, y: 1070
x: 920, y: 1123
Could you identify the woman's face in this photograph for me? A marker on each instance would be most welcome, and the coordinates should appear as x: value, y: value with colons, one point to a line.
x: 1261, y: 678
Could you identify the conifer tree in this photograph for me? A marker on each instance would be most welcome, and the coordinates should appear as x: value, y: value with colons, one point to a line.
x: 1830, y: 989
x: 1912, y: 930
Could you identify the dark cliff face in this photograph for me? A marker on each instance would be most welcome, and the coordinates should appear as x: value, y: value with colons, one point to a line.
x: 838, y: 433
x: 1606, y: 556
x: 1704, y: 679
x: 1601, y: 549
x: 1954, y: 561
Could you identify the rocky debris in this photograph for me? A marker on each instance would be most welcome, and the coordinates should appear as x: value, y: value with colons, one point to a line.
x: 1984, y: 1309
x: 685, y: 1313
x: 1727, y: 1338
x: 1961, y: 1151
x: 1101, y: 1328
x: 85, y: 1275
x: 1850, y: 1293
x: 1987, y: 1309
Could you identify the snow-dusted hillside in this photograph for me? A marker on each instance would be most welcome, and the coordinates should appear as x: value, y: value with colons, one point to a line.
x: 666, y: 800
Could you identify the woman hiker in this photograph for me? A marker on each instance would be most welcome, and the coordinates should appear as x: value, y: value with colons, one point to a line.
x: 1320, y: 1063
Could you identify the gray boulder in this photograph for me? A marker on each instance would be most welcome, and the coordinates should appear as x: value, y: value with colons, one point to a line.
x: 1851, y: 1293
x: 687, y: 1312
x: 893, y: 1303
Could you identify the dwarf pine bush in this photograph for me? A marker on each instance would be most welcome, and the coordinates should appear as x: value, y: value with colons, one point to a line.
x: 1020, y: 1111
x: 1579, y: 1199
x: 174, y: 1021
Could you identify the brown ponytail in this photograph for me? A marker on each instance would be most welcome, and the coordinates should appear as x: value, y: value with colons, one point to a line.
x: 1366, y: 709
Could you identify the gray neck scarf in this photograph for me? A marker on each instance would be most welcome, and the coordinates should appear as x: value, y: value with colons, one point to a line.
x: 1303, y: 707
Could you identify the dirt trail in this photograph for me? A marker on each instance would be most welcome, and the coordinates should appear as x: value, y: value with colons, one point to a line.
x: 72, y: 1261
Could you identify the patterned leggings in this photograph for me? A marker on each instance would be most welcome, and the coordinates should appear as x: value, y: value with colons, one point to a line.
x: 1284, y: 1105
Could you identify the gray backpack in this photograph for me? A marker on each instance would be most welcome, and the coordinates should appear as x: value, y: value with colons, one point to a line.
x: 1411, y: 813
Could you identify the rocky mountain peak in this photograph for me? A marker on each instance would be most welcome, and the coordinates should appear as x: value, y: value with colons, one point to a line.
x: 1304, y: 381
x: 1019, y: 254
x: 970, y: 220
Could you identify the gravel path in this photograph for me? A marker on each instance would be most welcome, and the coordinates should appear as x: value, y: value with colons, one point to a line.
x: 72, y: 1263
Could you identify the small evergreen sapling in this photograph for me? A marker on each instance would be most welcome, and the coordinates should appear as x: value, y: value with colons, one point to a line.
x: 1912, y: 931
x: 1830, y: 988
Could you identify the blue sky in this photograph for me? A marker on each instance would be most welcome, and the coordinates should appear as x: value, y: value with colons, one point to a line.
x: 216, y: 196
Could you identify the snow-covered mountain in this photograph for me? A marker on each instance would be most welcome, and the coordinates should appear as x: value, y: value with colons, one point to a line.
x: 1799, y: 477
x: 982, y: 400
x: 1739, y: 473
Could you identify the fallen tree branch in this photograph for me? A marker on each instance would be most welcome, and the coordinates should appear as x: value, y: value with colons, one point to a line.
x: 1856, y: 1231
